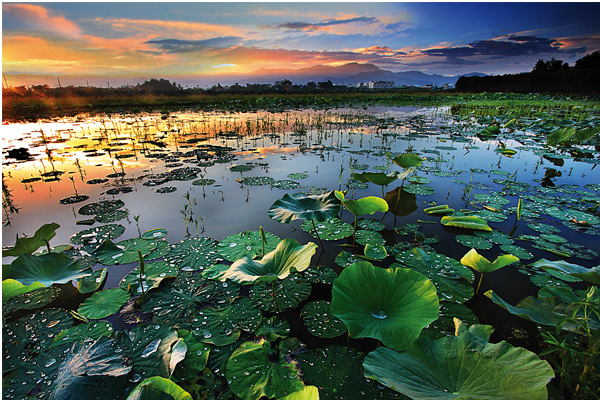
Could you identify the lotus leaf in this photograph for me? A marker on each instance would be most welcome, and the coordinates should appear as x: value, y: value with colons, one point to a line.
x: 30, y: 300
x: 155, y: 388
x: 104, y: 303
x: 112, y: 216
x: 491, y: 198
x: 354, y: 184
x: 29, y: 335
x: 177, y: 303
x: 248, y: 243
x: 255, y: 370
x: 46, y: 269
x: 419, y: 189
x: 553, y: 238
x: 419, y: 179
x: 285, y: 184
x: 444, y: 325
x: 13, y: 288
x: 443, y: 209
x: 222, y: 327
x: 289, y: 256
x: 320, y: 322
x: 591, y: 275
x: 474, y: 242
x: 219, y: 356
x: 365, y: 237
x: 203, y: 182
x: 297, y: 206
x: 466, y: 223
x: 194, y: 254
x: 162, y: 249
x: 102, y: 207
x: 273, y: 328
x: 196, y: 357
x: 155, y: 234
x: 392, y: 305
x: 95, y: 236
x: 516, y: 251
x: 330, y: 229
x: 288, y: 293
x: 406, y: 160
x: 154, y: 274
x: 371, y: 224
x: 298, y: 175
x: 124, y: 252
x: 496, y: 237
x: 308, y: 393
x: 337, y: 372
x: 543, y: 228
x: 482, y: 265
x: 464, y: 366
x: 215, y: 272
x: 378, y: 178
x: 241, y: 168
x: 375, y: 251
x: 92, y: 330
x: 345, y: 259
x: 320, y: 274
x: 92, y: 282
x: 27, y: 245
x: 366, y: 205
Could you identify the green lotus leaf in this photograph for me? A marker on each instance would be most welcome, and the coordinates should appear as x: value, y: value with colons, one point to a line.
x: 308, y: 393
x: 406, y: 160
x: 27, y: 245
x: 464, y: 366
x: 422, y: 190
x: 378, y: 178
x: 30, y: 300
x: 496, y: 237
x: 46, y: 269
x: 320, y: 274
x: 366, y: 205
x: 273, y: 328
x: 222, y: 327
x: 156, y: 388
x: 93, y: 330
x: 241, y: 168
x: 217, y: 360
x: 177, y: 303
x: 474, y: 242
x: 591, y: 275
x: 375, y: 251
x: 154, y: 274
x: 491, y: 198
x: 248, y: 243
x: 392, y: 305
x: 481, y: 264
x: 298, y: 175
x: 330, y: 229
x: 320, y: 322
x: 365, y: 237
x: 289, y: 256
x: 345, y: 259
x: 419, y: 179
x: 32, y: 334
x: 155, y: 234
x: 285, y: 184
x: 112, y: 216
x: 287, y: 293
x: 337, y: 372
x: 203, y: 182
x: 13, y: 288
x: 444, y: 325
x: 194, y: 254
x: 124, y: 252
x: 92, y: 282
x: 257, y: 180
x: 297, y: 206
x: 452, y: 280
x: 561, y: 135
x: 162, y: 249
x: 437, y: 210
x: 466, y: 223
x: 104, y: 303
x: 255, y: 370
x: 101, y: 207
x: 94, y: 237
x: 215, y: 272
x: 371, y: 224
x: 543, y: 228
x: 516, y: 251
x: 195, y: 359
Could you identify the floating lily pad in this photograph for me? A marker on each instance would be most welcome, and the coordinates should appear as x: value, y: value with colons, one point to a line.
x: 491, y: 198
x: 298, y: 175
x: 257, y: 180
x: 112, y: 216
x: 154, y: 274
x: 158, y: 387
x: 162, y: 249
x: 392, y: 305
x: 46, y: 269
x: 93, y: 330
x: 288, y: 293
x: 101, y: 207
x: 330, y: 229
x: 241, y: 168
x: 157, y: 233
x: 194, y: 254
x: 553, y: 238
x: 297, y: 206
x: 285, y: 184
x: 203, y: 182
x: 320, y: 274
x: 124, y: 252
x: 475, y: 223
x: 273, y: 328
x: 345, y: 259
x: 495, y: 237
x: 422, y: 190
x: 444, y: 325
x: 543, y: 228
x: 516, y: 251
x: 166, y: 189
x: 320, y: 322
x: 419, y: 180
x: 371, y: 224
x: 196, y: 357
x: 31, y: 300
x: 93, y: 282
x: 104, y: 303
x: 375, y: 251
x: 247, y: 243
x: 476, y: 242
x: 95, y: 236
x: 364, y: 237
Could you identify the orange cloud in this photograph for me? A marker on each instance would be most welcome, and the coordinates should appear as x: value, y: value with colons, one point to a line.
x: 34, y: 17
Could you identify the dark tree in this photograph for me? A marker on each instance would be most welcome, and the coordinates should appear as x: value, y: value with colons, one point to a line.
x: 591, y: 61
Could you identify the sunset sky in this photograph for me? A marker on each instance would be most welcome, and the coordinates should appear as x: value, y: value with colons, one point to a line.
x: 164, y: 40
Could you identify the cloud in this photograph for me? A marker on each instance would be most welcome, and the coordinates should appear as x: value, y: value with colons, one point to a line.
x: 323, y: 25
x: 188, y: 46
x: 34, y: 18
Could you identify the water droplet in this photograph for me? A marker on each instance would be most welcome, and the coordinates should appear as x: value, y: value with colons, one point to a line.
x: 379, y: 314
x: 232, y: 244
x: 199, y: 353
x: 50, y: 362
x: 151, y: 348
x: 206, y: 334
x: 135, y: 378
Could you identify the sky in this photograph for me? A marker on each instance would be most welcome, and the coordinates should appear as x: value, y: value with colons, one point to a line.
x: 169, y: 40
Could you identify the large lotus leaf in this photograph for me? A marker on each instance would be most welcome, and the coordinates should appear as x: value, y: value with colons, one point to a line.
x: 337, y: 372
x: 151, y: 347
x: 13, y: 288
x: 366, y: 205
x: 451, y: 279
x: 31, y: 300
x: 288, y: 293
x: 273, y: 328
x: 378, y: 178
x: 481, y: 264
x: 93, y: 282
x: 178, y: 303
x: 466, y: 223
x: 461, y: 367
x: 195, y: 359
x: 124, y: 252
x: 95, y: 236
x: 545, y: 311
x: 162, y: 249
x: 392, y: 305
x: 248, y: 243
x: 91, y: 330
x: 27, y: 245
x: 47, y: 269
x: 255, y: 370
x: 104, y: 303
x: 308, y: 393
x: 101, y: 207
x: 32, y: 334
x: 154, y: 274
x: 320, y: 322
x: 591, y: 275
x: 194, y: 254
x: 158, y: 388
x: 406, y: 160
x: 96, y: 368
x: 297, y: 206
x: 222, y: 327
x: 217, y: 360
x: 289, y: 256
x: 330, y: 229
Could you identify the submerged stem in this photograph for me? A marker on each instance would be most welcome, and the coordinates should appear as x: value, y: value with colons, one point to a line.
x: 317, y: 233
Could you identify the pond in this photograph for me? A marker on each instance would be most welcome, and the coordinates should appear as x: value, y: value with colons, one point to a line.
x: 206, y: 183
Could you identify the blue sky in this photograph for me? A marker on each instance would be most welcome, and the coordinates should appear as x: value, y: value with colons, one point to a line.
x: 183, y: 39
